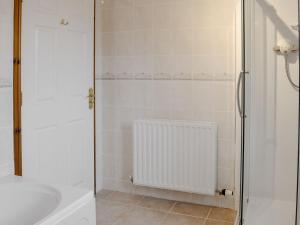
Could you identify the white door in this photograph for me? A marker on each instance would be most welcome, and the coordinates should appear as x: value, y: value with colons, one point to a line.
x: 57, y: 72
x: 6, y: 90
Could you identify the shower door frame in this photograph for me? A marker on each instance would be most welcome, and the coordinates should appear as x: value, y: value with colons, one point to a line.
x: 243, y: 67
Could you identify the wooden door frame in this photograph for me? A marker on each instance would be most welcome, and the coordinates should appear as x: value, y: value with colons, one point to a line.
x: 17, y: 91
x: 17, y: 94
x: 94, y: 84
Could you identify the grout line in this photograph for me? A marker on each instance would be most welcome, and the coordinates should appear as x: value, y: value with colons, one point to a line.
x: 172, y: 207
x: 153, y: 209
x: 187, y: 215
x: 224, y: 221
x: 207, y: 216
x: 164, y: 218
x: 209, y: 212
x: 167, y: 213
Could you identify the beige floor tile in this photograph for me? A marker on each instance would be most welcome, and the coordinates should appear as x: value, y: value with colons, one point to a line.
x: 227, y: 215
x: 156, y: 203
x: 116, y: 208
x: 141, y: 216
x: 175, y: 219
x: 103, y: 194
x: 191, y: 209
x: 125, y: 198
x: 215, y: 222
x: 109, y: 212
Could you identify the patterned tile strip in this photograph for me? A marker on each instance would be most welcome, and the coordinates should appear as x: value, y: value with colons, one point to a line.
x: 166, y: 76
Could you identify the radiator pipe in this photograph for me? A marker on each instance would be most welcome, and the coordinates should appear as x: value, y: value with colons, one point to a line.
x: 225, y: 192
x: 131, y: 179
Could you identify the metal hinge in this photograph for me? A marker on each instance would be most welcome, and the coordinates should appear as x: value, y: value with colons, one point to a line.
x: 91, y: 98
x: 16, y: 61
x: 18, y: 131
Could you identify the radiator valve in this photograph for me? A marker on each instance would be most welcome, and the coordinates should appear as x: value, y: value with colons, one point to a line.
x: 225, y: 192
x: 131, y: 179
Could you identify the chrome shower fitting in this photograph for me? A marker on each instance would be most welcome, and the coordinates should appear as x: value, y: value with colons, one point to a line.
x: 285, y: 48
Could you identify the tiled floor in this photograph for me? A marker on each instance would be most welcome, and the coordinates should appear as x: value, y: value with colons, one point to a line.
x: 116, y: 208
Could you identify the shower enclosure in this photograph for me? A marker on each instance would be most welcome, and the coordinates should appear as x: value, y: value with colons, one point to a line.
x: 268, y: 109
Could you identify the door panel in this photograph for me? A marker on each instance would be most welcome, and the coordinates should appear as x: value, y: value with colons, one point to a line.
x: 57, y: 72
x: 47, y: 6
x: 77, y: 142
x: 45, y: 63
x: 6, y: 91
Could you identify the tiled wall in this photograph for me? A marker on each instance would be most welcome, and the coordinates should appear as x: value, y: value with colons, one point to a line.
x: 6, y: 122
x: 164, y: 59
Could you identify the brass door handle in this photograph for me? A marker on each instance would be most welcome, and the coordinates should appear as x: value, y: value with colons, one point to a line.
x: 91, y: 98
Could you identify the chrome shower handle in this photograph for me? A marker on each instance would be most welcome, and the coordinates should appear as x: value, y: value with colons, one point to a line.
x: 238, y: 94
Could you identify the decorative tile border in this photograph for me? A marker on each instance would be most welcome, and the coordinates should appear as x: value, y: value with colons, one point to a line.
x: 166, y: 76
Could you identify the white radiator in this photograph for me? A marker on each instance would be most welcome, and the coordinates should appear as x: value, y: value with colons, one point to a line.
x: 176, y: 155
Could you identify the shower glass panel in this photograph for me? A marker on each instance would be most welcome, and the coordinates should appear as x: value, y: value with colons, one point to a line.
x: 270, y: 119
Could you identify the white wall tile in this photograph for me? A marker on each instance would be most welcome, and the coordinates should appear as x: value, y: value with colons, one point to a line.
x: 111, y: 142
x: 117, y: 3
x: 143, y: 2
x: 143, y: 65
x: 143, y: 94
x: 183, y: 65
x: 124, y: 94
x: 163, y: 64
x: 162, y: 42
x: 143, y: 42
x: 162, y: 94
x: 122, y: 18
x: 204, y: 41
x: 107, y: 45
x: 162, y: 16
x: 109, y: 166
x: 202, y: 64
x: 203, y: 96
x: 123, y: 43
x: 182, y: 15
x: 182, y: 96
x: 143, y: 17
x: 203, y: 13
x: 183, y: 41
x: 107, y: 23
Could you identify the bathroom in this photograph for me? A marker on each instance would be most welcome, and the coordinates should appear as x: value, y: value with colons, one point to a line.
x: 149, y: 112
